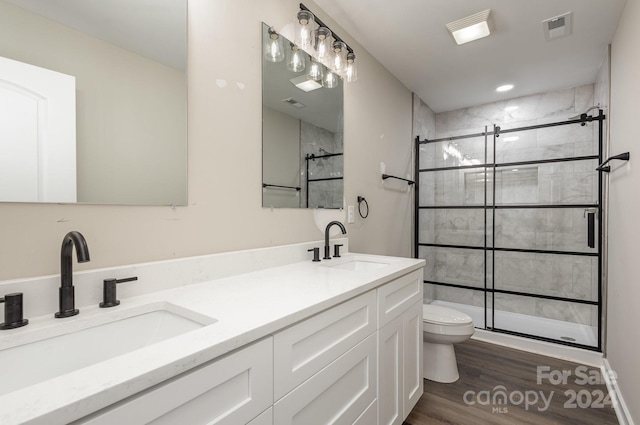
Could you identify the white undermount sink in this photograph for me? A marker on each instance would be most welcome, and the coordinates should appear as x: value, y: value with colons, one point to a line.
x: 69, y: 346
x: 359, y: 265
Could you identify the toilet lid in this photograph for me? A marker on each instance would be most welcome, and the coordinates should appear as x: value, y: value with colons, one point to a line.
x: 443, y: 315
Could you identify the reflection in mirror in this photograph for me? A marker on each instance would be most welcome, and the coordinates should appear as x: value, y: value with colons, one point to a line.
x: 302, y: 129
x: 95, y: 92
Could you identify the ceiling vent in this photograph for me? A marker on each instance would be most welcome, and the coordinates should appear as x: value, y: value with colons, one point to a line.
x: 294, y: 103
x: 557, y: 27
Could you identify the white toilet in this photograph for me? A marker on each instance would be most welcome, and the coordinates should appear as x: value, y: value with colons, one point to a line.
x: 443, y: 327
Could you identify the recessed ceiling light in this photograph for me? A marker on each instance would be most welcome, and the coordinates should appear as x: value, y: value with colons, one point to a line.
x: 511, y: 108
x: 506, y: 87
x: 511, y: 138
x: 471, y: 28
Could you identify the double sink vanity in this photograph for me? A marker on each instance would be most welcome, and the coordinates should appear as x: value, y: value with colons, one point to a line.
x: 263, y: 336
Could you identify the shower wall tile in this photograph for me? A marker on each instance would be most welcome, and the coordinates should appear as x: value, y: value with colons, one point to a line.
x: 514, y: 304
x: 584, y: 97
x: 460, y: 227
x: 565, y: 311
x: 456, y: 295
x: 424, y: 120
x: 539, y: 108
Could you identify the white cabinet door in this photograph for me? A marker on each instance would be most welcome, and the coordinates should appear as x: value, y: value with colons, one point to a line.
x: 338, y: 394
x: 390, y: 377
x: 229, y: 391
x: 413, y: 384
x: 400, y: 383
x: 398, y: 296
x: 305, y: 348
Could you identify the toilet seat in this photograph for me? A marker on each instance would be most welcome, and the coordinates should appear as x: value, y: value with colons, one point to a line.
x: 438, y: 315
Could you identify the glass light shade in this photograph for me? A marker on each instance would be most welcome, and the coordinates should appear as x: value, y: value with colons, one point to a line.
x: 324, y: 46
x: 274, y: 48
x: 316, y: 70
x: 305, y: 30
x: 296, y: 61
x: 330, y: 80
x: 351, y: 72
x: 339, y: 57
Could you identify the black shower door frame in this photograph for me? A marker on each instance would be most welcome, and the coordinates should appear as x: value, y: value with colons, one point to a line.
x: 489, y: 288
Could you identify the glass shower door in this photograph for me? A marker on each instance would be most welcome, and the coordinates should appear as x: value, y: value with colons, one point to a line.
x: 508, y: 221
x: 546, y: 245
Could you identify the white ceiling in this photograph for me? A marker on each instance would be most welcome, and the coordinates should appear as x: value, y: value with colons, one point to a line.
x: 410, y: 39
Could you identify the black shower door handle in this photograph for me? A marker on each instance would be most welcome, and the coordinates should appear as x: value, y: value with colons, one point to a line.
x: 591, y: 226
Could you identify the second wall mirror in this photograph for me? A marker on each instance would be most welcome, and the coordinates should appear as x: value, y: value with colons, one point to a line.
x: 302, y: 128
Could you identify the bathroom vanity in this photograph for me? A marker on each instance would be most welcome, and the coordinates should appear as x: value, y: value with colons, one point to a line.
x: 337, y: 341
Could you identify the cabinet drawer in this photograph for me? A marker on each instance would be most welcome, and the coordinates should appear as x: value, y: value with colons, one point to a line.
x: 339, y: 394
x: 305, y: 348
x: 395, y: 297
x: 229, y: 391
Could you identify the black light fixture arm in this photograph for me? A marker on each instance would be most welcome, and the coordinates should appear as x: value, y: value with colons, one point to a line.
x: 607, y: 168
x: 322, y: 24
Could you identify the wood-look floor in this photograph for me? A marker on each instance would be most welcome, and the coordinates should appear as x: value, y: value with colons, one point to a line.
x: 483, y: 367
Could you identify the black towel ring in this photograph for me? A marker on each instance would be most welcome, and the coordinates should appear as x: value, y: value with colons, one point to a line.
x: 360, y: 201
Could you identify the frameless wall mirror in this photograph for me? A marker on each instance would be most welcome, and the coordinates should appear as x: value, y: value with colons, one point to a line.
x: 302, y: 128
x: 93, y: 99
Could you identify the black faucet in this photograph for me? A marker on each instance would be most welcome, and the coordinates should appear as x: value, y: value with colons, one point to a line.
x: 327, y: 250
x: 67, y: 299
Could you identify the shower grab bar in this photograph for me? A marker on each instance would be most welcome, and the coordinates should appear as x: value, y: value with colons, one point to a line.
x: 607, y: 168
x: 388, y: 176
x: 265, y: 185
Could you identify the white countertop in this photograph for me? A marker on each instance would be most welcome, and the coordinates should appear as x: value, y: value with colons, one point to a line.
x: 247, y: 307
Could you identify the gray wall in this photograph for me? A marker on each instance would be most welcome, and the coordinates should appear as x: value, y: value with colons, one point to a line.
x: 623, y: 333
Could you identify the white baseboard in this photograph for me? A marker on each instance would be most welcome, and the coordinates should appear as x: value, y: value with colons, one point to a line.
x: 564, y: 352
x: 619, y: 405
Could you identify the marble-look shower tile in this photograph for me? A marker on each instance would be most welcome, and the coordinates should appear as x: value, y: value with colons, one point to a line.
x: 465, y: 268
x: 456, y: 295
x: 517, y: 186
x: 424, y: 119
x: 427, y: 228
x: 564, y: 134
x: 586, y: 148
x: 585, y: 279
x: 584, y: 98
x: 428, y: 157
x: 514, y: 304
x: 565, y: 311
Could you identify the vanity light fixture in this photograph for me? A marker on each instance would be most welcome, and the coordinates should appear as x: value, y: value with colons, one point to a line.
x: 325, y: 48
x: 296, y: 61
x: 504, y: 88
x: 330, y: 80
x: 316, y: 70
x: 471, y: 28
x: 305, y: 29
x: 274, y: 50
x: 351, y: 74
